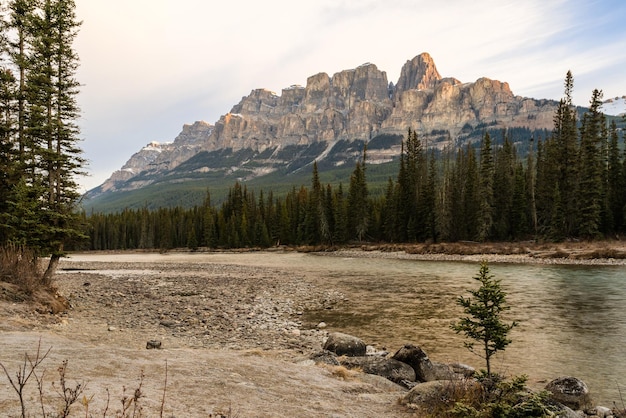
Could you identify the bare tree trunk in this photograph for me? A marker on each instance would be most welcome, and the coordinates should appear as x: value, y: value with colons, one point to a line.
x: 51, y: 269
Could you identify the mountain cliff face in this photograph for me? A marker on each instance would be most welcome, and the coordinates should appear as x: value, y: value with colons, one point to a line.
x: 266, y: 132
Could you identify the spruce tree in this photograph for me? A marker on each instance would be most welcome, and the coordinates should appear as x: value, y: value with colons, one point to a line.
x: 471, y: 203
x: 483, y: 322
x: 39, y: 113
x: 503, y: 185
x: 591, y: 169
x: 615, y: 184
x: 566, y: 135
x: 358, y: 203
x: 485, y: 193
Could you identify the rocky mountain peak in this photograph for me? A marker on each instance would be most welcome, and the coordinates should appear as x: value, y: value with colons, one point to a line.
x: 420, y: 73
x: 265, y: 131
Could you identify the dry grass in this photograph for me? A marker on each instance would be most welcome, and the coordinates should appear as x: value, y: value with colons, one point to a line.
x: 21, y: 280
x: 343, y: 373
x: 20, y: 266
x: 578, y: 250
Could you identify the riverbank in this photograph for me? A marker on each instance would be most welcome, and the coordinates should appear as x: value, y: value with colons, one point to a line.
x: 232, y: 334
x: 567, y: 253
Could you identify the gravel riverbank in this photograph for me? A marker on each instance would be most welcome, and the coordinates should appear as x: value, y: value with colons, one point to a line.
x: 232, y: 335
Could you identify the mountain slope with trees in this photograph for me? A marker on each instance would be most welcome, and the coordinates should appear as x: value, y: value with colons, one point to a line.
x: 570, y: 184
x: 327, y: 121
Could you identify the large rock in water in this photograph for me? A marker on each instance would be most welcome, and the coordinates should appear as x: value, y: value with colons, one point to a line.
x: 345, y: 345
x: 425, y: 370
x: 394, y: 370
x: 570, y: 391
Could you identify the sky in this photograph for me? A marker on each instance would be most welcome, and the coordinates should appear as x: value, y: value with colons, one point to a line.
x: 147, y: 67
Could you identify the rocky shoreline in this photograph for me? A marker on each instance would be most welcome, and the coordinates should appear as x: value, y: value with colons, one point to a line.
x: 571, y: 253
x: 431, y: 383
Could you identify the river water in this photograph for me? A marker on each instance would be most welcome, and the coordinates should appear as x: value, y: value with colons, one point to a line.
x: 572, y: 319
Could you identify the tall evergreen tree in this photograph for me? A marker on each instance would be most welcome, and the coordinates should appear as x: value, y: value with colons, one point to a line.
x: 39, y: 112
x: 485, y: 193
x: 615, y: 183
x: 358, y: 204
x: 566, y: 137
x: 471, y: 202
x: 503, y: 186
x: 591, y: 169
x: 427, y: 204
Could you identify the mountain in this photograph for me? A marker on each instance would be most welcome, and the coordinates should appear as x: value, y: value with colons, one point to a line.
x: 327, y: 121
x: 615, y: 106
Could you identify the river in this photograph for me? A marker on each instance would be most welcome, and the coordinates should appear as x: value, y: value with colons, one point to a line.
x: 572, y: 319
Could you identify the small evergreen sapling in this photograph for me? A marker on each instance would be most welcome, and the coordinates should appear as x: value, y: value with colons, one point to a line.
x: 483, y: 323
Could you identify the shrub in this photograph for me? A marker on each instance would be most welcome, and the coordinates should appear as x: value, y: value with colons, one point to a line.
x: 19, y: 265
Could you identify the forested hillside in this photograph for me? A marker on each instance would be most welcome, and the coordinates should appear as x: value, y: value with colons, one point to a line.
x: 571, y: 184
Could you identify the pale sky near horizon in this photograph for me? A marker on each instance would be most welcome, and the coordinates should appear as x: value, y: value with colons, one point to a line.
x: 150, y: 66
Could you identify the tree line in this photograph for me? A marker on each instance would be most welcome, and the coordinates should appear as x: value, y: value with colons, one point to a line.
x: 571, y: 184
x: 39, y: 153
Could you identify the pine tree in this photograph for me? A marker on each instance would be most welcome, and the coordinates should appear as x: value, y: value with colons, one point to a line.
x: 591, y: 169
x: 520, y: 207
x: 340, y: 206
x: 566, y: 137
x: 485, y: 193
x: 389, y: 217
x: 358, y: 204
x: 503, y: 185
x: 411, y: 177
x: 471, y: 203
x: 39, y: 114
x: 615, y: 184
x: 9, y: 172
x: 483, y: 323
x: 427, y: 204
x: 52, y: 91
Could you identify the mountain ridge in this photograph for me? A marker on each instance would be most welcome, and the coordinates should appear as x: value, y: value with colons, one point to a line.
x: 327, y: 120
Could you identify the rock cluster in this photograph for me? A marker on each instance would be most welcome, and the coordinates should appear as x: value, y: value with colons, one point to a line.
x: 428, y: 381
x: 217, y: 306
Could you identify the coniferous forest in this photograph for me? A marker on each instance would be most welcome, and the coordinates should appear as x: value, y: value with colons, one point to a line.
x: 570, y: 185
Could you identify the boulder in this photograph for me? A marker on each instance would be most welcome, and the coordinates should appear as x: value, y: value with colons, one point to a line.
x: 570, y: 391
x: 425, y: 370
x: 372, y: 351
x: 462, y: 369
x: 325, y: 357
x: 600, y: 412
x: 428, y: 395
x: 345, y: 345
x: 153, y: 344
x: 394, y: 370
